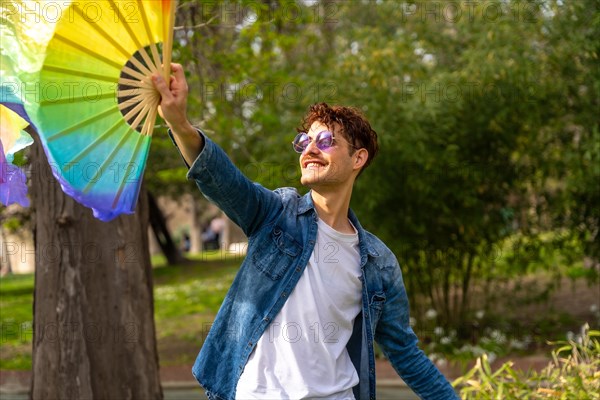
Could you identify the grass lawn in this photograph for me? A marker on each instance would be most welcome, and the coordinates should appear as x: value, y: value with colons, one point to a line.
x: 186, y: 300
x: 16, y: 316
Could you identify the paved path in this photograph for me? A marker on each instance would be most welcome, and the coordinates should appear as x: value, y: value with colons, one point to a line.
x: 178, y: 383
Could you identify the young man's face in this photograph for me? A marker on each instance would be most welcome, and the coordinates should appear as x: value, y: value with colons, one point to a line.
x: 328, y: 167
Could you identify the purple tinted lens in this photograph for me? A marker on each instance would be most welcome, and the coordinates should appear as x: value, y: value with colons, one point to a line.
x: 324, y: 140
x: 301, y: 142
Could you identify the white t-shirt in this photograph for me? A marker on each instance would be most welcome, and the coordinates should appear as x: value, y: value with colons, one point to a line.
x: 302, y: 353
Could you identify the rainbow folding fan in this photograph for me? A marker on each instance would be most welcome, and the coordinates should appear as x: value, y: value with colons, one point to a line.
x: 96, y: 106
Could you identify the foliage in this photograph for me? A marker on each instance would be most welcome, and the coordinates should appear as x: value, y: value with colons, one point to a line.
x: 463, y: 105
x: 574, y: 374
x: 487, y: 126
x: 486, y: 114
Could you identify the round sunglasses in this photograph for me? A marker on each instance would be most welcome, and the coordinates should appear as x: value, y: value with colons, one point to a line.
x: 323, y: 140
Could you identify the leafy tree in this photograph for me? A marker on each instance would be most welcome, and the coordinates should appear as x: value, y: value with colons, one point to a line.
x: 486, y: 113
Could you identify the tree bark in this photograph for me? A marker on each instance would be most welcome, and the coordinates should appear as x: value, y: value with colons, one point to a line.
x: 196, y: 245
x: 5, y: 265
x: 94, y: 335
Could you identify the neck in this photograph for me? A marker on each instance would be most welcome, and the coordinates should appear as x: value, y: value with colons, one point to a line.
x: 332, y: 207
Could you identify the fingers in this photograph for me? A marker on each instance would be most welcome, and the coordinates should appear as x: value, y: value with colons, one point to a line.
x: 178, y: 72
x: 173, y: 96
x: 178, y: 77
x: 161, y: 85
x: 176, y: 82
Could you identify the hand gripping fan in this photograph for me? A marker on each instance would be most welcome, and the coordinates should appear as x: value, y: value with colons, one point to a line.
x: 97, y: 106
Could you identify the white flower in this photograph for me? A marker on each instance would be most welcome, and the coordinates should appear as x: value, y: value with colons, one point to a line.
x: 516, y: 344
x: 478, y: 351
x: 412, y: 321
x: 479, y: 314
x: 431, y: 314
x: 498, y: 336
x: 446, y: 340
x: 438, y: 330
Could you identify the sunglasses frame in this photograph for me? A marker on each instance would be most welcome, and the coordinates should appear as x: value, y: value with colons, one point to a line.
x: 319, y: 141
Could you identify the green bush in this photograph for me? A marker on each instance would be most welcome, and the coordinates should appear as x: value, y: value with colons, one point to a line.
x: 574, y: 373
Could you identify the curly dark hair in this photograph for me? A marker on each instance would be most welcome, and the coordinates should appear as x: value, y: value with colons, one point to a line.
x: 355, y: 127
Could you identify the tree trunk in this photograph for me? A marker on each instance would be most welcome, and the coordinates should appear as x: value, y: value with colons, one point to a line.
x: 5, y: 265
x: 162, y: 234
x: 195, y: 229
x: 225, y: 239
x: 94, y: 334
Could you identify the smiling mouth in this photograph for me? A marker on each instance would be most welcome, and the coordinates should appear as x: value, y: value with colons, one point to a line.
x: 313, y: 164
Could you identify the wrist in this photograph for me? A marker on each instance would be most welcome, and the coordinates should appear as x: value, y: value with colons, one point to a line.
x: 183, y: 129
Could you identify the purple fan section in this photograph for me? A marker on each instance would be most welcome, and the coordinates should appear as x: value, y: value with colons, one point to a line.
x: 13, y: 183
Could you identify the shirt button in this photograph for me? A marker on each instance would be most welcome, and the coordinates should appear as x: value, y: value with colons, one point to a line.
x: 283, y: 294
x: 266, y: 319
x: 249, y: 344
x: 297, y: 269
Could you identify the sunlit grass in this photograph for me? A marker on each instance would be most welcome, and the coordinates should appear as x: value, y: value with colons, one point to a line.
x: 186, y: 299
x: 16, y: 316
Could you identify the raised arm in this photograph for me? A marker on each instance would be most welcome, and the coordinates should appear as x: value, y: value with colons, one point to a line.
x: 247, y: 204
x: 173, y: 109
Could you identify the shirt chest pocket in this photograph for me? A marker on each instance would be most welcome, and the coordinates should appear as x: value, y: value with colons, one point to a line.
x: 275, y: 253
x: 376, y: 307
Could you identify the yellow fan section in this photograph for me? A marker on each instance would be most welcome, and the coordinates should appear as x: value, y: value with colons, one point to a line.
x: 113, y: 43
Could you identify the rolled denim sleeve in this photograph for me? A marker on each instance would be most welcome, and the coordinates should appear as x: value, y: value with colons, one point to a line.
x: 247, y: 204
x: 399, y: 343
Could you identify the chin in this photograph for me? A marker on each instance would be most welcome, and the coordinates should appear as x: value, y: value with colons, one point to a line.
x: 306, y: 181
x: 310, y: 180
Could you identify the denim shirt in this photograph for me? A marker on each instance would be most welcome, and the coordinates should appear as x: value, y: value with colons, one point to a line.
x: 281, y: 227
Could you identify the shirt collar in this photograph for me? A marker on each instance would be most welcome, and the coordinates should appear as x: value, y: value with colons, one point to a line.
x: 306, y: 204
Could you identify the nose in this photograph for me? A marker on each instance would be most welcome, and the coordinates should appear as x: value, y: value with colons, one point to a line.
x: 311, y: 148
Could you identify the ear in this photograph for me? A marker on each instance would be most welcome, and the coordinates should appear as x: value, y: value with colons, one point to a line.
x: 360, y: 158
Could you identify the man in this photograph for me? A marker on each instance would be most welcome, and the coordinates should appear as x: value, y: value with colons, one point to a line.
x: 315, y: 289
